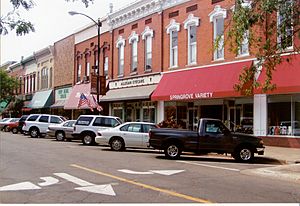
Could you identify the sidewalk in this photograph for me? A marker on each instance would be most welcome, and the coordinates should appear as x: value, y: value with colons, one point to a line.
x: 283, y: 154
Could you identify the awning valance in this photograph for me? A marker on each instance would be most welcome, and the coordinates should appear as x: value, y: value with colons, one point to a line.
x: 215, y: 81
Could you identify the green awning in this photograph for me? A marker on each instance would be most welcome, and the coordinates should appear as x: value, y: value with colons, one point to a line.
x: 41, y: 99
x: 3, y: 105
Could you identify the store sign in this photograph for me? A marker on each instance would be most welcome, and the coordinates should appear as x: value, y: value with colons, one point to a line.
x: 134, y: 82
x: 201, y: 95
x: 62, y: 94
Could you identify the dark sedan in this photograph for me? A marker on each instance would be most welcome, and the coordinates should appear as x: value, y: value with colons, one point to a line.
x: 61, y: 131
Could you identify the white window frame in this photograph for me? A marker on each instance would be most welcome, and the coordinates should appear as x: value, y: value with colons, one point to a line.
x: 244, y: 44
x: 173, y: 26
x: 147, y: 35
x: 120, y: 44
x: 191, y: 21
x: 88, y: 69
x: 79, y: 73
x: 106, y: 65
x: 218, y: 13
x: 133, y: 40
x: 278, y: 32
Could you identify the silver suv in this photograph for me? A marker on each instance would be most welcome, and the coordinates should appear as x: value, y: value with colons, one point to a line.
x: 87, y: 126
x: 37, y: 124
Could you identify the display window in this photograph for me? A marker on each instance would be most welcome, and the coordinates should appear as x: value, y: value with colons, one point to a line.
x: 284, y: 115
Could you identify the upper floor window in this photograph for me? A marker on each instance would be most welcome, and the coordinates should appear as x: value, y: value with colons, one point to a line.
x: 147, y: 36
x: 172, y: 29
x: 133, y: 40
x: 51, y: 77
x: 217, y: 17
x: 191, y: 24
x: 44, y: 78
x: 285, y: 25
x: 78, y: 72
x: 105, y: 66
x: 121, y: 47
x: 244, y: 47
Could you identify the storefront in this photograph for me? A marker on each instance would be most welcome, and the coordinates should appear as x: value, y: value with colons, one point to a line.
x: 41, y: 102
x: 71, y: 103
x: 205, y: 92
x: 129, y: 98
x: 277, y: 113
x: 61, y: 96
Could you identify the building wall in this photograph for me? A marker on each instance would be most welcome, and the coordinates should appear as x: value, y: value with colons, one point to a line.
x: 64, y: 61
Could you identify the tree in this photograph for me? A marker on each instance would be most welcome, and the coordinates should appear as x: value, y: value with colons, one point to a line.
x: 7, y: 86
x: 13, y: 21
x: 272, y: 28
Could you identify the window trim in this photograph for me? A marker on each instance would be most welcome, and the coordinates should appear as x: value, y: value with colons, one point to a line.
x: 173, y: 26
x: 278, y: 32
x: 148, y: 33
x: 188, y: 23
x: 134, y: 39
x: 120, y: 43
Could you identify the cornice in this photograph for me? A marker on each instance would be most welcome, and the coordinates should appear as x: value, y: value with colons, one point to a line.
x: 138, y: 10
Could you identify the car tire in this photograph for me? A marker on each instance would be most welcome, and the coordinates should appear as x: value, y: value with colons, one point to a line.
x: 117, y: 144
x: 88, y: 138
x: 34, y: 132
x: 14, y: 130
x: 6, y: 129
x: 60, y: 136
x: 243, y: 154
x: 172, y: 150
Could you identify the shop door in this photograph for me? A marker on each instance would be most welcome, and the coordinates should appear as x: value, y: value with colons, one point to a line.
x: 192, y: 119
x: 234, y: 118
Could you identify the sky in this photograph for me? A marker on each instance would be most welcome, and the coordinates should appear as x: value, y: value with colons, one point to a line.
x: 52, y: 23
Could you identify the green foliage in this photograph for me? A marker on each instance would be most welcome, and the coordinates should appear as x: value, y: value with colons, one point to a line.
x: 7, y: 85
x: 269, y: 36
x: 12, y: 20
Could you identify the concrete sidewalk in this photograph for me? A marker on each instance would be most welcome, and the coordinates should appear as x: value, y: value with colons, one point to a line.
x: 283, y: 154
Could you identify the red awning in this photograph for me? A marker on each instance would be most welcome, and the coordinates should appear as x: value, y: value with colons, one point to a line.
x: 72, y: 102
x: 286, y: 77
x: 202, y: 83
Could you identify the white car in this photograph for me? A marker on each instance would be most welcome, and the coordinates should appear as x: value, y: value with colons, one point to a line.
x: 129, y: 134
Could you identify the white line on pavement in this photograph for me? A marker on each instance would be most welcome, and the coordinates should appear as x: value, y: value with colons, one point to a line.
x: 204, y: 165
x: 73, y: 179
x: 48, y: 181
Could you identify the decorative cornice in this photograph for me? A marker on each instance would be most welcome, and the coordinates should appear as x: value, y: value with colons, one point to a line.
x: 173, y: 26
x: 133, y: 36
x: 218, y: 11
x: 147, y: 32
x: 138, y: 10
x: 191, y: 20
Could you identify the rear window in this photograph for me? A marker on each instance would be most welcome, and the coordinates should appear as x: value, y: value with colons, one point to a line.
x: 32, y: 118
x: 105, y: 122
x: 55, y: 120
x: 23, y: 118
x: 44, y: 119
x: 147, y: 127
x: 85, y: 121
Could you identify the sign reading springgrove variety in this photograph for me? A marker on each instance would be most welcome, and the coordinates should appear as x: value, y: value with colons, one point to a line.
x: 187, y: 96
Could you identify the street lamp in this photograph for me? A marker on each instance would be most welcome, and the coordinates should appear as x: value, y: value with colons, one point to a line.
x: 99, y: 24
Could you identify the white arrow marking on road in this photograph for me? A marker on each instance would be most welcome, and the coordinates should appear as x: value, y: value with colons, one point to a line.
x: 20, y: 186
x: 135, y: 173
x: 73, y: 179
x: 48, y: 181
x: 166, y: 172
x: 99, y: 189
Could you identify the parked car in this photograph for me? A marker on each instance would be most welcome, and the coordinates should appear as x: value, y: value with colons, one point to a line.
x: 129, y: 134
x: 87, y: 126
x: 61, y: 131
x: 37, y: 124
x: 7, y: 123
x: 211, y: 136
x: 16, y: 127
x: 3, y: 123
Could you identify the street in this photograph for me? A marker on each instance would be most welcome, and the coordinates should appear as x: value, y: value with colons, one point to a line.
x: 44, y: 170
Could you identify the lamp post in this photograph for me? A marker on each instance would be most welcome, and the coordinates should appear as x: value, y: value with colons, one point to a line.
x: 99, y: 24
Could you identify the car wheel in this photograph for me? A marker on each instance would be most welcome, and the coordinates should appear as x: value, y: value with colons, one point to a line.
x: 117, y: 144
x: 34, y: 132
x: 172, y: 151
x: 15, y: 130
x: 60, y: 136
x: 6, y: 129
x: 88, y: 139
x: 243, y: 154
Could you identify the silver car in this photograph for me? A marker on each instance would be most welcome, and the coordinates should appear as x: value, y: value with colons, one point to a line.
x: 61, y: 131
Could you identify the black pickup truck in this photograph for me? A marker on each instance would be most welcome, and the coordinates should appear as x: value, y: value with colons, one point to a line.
x: 211, y: 136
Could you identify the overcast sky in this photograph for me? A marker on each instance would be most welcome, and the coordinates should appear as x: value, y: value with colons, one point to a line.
x: 52, y: 23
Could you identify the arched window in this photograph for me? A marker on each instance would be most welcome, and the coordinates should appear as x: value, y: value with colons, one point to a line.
x: 172, y: 29
x: 217, y: 17
x: 147, y: 36
x: 120, y: 44
x: 191, y: 24
x: 133, y: 41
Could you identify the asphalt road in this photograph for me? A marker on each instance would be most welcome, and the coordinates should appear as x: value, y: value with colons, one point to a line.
x: 46, y: 171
